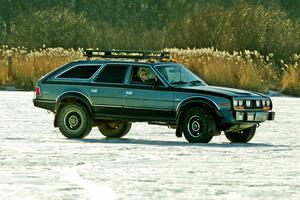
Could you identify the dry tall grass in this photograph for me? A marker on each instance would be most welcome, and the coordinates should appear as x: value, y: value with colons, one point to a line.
x: 28, y: 66
x: 246, y: 70
x: 291, y: 77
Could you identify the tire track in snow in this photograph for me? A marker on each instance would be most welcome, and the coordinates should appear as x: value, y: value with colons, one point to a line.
x: 96, y: 190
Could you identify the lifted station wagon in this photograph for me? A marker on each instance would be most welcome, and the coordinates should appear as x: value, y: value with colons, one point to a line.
x: 146, y: 86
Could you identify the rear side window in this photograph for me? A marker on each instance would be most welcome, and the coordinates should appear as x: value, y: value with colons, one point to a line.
x: 112, y: 74
x: 81, y: 72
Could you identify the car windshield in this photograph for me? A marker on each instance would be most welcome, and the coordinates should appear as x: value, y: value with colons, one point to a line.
x: 176, y: 74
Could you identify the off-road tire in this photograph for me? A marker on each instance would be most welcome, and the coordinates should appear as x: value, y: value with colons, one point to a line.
x: 114, y: 129
x: 74, y: 121
x: 198, y: 125
x: 242, y: 136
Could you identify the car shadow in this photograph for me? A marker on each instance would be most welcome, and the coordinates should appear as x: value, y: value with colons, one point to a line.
x: 173, y: 143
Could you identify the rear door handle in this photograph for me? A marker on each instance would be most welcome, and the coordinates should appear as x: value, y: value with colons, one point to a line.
x: 128, y: 93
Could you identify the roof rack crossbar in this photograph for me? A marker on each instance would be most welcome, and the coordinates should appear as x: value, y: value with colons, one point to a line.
x: 128, y: 54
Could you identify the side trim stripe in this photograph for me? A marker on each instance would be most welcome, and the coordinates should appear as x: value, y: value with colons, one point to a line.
x: 130, y: 107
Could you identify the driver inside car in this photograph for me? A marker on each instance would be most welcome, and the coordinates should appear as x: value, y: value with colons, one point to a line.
x: 146, y: 75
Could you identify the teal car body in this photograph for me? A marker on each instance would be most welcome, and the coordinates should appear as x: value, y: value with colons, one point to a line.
x: 109, y: 91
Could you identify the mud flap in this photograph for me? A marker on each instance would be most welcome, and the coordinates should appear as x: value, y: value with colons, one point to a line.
x: 55, y: 123
x: 179, y: 130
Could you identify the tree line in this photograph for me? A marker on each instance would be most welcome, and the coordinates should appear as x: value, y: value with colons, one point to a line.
x: 231, y: 25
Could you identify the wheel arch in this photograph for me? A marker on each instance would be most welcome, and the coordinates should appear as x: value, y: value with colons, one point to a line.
x: 72, y: 97
x: 195, y: 102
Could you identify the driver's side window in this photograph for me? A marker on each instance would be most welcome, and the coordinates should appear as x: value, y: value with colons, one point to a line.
x: 144, y: 75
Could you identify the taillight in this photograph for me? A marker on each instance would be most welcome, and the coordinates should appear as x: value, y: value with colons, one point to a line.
x: 37, y: 91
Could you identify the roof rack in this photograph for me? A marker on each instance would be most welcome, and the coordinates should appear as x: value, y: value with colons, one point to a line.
x: 127, y: 54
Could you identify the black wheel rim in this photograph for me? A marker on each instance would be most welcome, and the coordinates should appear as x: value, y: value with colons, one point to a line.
x: 73, y: 121
x: 195, y: 126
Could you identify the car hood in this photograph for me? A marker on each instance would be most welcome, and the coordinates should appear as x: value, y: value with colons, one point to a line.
x: 224, y: 91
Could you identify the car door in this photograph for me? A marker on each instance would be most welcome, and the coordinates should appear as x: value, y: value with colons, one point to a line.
x: 107, y: 91
x: 147, y: 102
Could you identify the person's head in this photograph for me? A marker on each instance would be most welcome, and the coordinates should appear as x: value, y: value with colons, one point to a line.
x: 143, y: 74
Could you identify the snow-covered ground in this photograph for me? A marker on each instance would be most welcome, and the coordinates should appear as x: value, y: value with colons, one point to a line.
x: 37, y: 162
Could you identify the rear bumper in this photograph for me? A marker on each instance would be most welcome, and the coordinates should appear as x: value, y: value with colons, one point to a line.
x: 45, y: 104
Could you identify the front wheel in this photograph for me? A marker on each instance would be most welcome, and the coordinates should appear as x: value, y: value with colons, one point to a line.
x: 242, y: 136
x: 199, y: 126
x: 114, y: 129
x: 74, y: 121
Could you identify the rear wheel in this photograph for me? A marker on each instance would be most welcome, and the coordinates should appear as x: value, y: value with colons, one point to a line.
x: 199, y: 126
x: 242, y: 136
x: 74, y: 121
x: 114, y: 129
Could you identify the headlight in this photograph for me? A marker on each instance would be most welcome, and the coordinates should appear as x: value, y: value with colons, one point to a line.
x: 248, y: 103
x: 268, y: 103
x: 241, y: 102
x: 238, y: 104
x: 235, y: 103
x: 258, y: 103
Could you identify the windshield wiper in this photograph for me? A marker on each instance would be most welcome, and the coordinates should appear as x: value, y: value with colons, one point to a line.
x: 195, y: 82
x: 178, y: 82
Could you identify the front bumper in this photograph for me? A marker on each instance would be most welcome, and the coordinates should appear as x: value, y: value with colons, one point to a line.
x: 254, y: 116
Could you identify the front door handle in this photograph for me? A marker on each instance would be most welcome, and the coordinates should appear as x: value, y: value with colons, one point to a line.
x: 94, y: 90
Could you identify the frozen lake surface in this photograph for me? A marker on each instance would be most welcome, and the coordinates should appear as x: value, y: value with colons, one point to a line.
x: 37, y: 162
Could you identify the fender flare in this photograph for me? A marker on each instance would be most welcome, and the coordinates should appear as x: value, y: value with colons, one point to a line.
x: 76, y: 96
x: 198, y: 100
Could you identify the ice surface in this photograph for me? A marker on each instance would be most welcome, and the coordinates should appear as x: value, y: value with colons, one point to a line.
x: 37, y: 162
